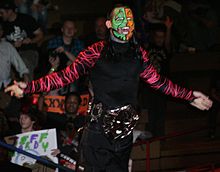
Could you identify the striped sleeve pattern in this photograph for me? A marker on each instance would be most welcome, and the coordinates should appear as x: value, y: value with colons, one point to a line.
x: 156, y: 81
x: 85, y: 60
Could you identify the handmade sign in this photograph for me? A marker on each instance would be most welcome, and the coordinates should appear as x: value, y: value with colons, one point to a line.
x: 39, y: 143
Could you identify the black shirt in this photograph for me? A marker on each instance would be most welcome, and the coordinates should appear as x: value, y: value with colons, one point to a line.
x: 22, y: 27
x: 115, y: 79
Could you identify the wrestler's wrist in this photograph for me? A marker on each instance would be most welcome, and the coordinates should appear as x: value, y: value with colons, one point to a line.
x: 192, y: 98
x: 23, y: 87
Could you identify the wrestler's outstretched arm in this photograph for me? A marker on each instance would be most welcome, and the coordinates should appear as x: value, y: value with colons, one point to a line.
x: 85, y: 60
x: 156, y: 81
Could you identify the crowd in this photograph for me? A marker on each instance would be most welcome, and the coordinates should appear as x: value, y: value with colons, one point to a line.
x: 26, y: 54
x: 195, y: 23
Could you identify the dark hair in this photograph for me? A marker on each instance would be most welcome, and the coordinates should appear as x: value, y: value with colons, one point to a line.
x: 118, y: 5
x: 31, y: 110
x: 76, y: 94
x: 110, y: 54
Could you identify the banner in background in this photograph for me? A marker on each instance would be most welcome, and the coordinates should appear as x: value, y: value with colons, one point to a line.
x: 56, y: 103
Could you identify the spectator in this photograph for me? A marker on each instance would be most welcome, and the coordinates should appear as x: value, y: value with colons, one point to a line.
x: 39, y: 12
x: 65, y: 47
x: 156, y: 11
x: 201, y: 25
x: 66, y: 43
x: 159, y: 55
x: 160, y: 46
x: 37, y: 9
x: 28, y: 120
x: 10, y: 57
x: 23, y: 32
x: 23, y: 6
x: 16, y: 112
x: 69, y: 126
x: 100, y: 32
x: 144, y: 25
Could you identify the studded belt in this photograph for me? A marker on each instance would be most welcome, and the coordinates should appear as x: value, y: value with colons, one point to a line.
x: 116, y: 123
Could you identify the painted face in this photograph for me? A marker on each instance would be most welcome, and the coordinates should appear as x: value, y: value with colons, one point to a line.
x: 122, y: 23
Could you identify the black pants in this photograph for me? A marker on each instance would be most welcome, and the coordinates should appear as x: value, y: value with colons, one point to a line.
x: 99, y: 154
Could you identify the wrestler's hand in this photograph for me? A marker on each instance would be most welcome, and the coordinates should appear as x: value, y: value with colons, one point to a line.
x: 201, y: 101
x: 16, y: 89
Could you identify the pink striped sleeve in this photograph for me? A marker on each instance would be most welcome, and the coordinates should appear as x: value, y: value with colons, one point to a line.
x: 85, y: 60
x: 156, y: 81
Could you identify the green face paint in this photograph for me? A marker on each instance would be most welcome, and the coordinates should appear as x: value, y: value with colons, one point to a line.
x: 122, y: 23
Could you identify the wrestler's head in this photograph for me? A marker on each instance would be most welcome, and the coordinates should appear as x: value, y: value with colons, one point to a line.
x: 121, y: 23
